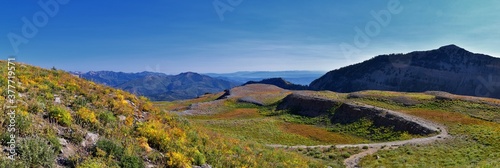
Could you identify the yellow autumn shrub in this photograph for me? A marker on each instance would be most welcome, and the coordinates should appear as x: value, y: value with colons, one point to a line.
x: 122, y: 107
x: 61, y: 115
x: 87, y: 115
x: 143, y: 143
x: 156, y: 133
x: 178, y: 160
x: 145, y: 104
x: 129, y: 121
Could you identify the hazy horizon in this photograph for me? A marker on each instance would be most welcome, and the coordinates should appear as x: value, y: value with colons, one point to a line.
x: 204, y: 73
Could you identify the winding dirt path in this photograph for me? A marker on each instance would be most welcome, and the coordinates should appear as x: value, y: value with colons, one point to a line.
x: 353, y: 161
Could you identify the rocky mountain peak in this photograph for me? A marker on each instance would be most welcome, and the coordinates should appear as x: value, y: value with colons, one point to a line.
x: 449, y: 68
x: 452, y: 49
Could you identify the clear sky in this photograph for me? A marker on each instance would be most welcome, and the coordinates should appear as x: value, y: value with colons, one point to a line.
x: 174, y: 36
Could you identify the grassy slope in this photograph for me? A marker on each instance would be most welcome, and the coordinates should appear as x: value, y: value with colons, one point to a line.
x: 245, y: 123
x: 218, y: 139
x: 249, y: 123
x: 472, y: 123
x: 476, y: 137
x: 146, y: 135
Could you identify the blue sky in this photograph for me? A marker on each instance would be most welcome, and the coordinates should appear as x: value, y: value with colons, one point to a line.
x: 175, y: 36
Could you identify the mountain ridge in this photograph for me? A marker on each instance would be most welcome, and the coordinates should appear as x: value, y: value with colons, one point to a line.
x: 280, y: 82
x: 158, y: 86
x: 449, y: 68
x: 111, y: 78
x: 301, y: 77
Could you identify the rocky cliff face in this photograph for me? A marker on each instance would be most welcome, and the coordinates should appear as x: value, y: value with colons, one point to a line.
x: 345, y: 113
x: 348, y: 113
x: 307, y: 105
x: 450, y: 68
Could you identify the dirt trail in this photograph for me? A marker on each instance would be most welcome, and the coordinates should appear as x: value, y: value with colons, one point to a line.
x: 353, y: 161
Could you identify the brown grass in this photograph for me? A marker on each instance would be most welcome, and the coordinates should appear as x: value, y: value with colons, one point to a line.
x: 319, y: 134
x: 323, y: 94
x: 242, y: 113
x: 182, y: 105
x: 267, y: 94
x: 490, y: 101
x: 443, y: 116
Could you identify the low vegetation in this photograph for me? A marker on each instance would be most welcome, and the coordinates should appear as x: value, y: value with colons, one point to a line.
x: 473, y: 125
x: 81, y: 124
x: 59, y: 115
x: 329, y: 156
x: 470, y: 123
x: 365, y: 128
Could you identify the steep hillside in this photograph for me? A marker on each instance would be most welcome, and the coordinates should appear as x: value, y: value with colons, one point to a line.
x: 64, y: 121
x: 450, y: 68
x: 280, y: 82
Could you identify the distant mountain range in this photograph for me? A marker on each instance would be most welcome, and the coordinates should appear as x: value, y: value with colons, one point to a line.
x: 297, y: 77
x: 114, y: 79
x: 159, y: 86
x: 450, y: 68
x: 162, y: 87
x: 280, y: 82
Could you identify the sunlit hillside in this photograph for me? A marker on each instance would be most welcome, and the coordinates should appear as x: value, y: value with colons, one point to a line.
x: 62, y: 120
